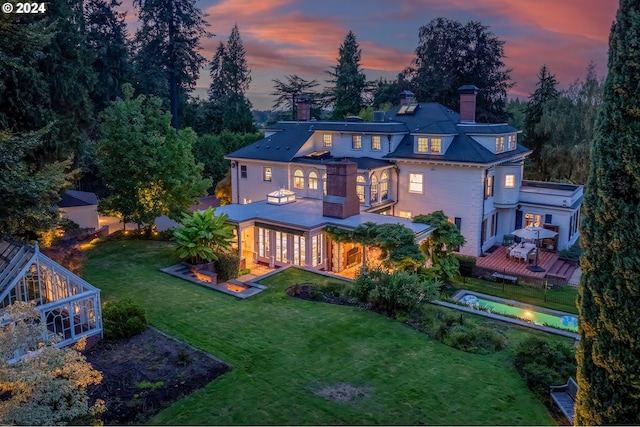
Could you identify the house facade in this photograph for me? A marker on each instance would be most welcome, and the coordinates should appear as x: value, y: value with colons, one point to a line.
x: 415, y: 159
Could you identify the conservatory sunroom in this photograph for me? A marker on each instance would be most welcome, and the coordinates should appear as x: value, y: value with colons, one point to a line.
x: 69, y: 305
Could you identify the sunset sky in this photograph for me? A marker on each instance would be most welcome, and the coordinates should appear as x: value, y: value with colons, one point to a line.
x: 303, y: 36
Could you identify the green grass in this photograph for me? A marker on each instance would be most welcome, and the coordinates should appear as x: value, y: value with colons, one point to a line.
x: 282, y: 349
x: 528, y: 295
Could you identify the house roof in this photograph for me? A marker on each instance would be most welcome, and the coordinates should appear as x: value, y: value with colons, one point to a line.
x: 307, y: 214
x: 429, y: 118
x: 75, y: 198
x: 364, y: 163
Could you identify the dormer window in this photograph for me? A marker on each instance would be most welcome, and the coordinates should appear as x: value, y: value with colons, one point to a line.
x: 356, y: 142
x: 513, y: 141
x: 427, y: 145
x: 499, y: 144
x: 327, y: 140
x: 376, y: 143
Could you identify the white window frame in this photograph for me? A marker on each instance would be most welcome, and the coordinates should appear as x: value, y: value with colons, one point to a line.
x: 422, y: 145
x: 298, y: 179
x: 356, y: 142
x: 510, y: 180
x: 327, y: 140
x: 414, y: 183
x: 376, y: 143
x: 513, y: 142
x: 499, y: 144
x: 312, y: 181
x: 431, y: 140
x: 267, y: 174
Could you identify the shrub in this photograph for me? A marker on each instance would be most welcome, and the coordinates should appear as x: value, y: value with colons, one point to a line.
x: 542, y: 364
x: 122, y: 319
x: 227, y: 266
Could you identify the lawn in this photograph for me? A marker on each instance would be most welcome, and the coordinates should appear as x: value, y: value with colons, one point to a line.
x: 283, y: 350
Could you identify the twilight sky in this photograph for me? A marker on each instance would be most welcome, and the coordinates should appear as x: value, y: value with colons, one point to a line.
x: 303, y: 36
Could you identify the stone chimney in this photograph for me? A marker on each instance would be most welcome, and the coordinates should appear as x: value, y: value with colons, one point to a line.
x: 303, y: 108
x: 406, y: 97
x: 468, y: 103
x: 341, y: 200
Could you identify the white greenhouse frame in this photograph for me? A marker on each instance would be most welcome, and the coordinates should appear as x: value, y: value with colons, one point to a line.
x: 69, y: 305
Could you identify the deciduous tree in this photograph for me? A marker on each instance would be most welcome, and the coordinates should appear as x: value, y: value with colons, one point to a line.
x: 441, y: 244
x: 450, y: 55
x: 609, y: 293
x: 287, y: 91
x: 148, y: 166
x: 48, y: 386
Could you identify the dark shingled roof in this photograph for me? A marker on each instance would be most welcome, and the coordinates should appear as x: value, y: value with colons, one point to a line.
x: 364, y: 163
x: 427, y: 118
x: 74, y: 198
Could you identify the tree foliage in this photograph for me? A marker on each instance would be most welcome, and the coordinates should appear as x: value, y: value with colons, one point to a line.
x: 440, y: 246
x: 609, y: 292
x: 348, y: 82
x: 287, y: 91
x: 167, y: 61
x: 48, y: 385
x: 450, y: 55
x: 29, y: 191
x: 148, y: 166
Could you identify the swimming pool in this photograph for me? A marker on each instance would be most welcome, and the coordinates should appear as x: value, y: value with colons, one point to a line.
x: 537, y: 315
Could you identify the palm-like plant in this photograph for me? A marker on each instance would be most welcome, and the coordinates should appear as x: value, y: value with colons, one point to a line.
x: 202, y: 235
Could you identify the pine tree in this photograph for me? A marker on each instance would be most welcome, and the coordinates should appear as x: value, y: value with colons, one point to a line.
x: 230, y: 79
x: 535, y: 138
x: 609, y: 294
x: 167, y: 60
x: 349, y: 82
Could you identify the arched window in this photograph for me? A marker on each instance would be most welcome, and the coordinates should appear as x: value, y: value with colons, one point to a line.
x: 360, y: 188
x: 313, y: 181
x: 298, y: 179
x: 384, y: 186
x: 374, y: 189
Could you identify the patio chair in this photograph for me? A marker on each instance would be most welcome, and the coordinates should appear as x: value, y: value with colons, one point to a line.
x: 508, y: 239
x: 531, y: 256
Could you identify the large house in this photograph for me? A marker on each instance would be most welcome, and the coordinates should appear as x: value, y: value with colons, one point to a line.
x: 415, y: 159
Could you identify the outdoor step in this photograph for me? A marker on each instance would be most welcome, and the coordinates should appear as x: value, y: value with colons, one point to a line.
x: 556, y: 267
x: 563, y: 270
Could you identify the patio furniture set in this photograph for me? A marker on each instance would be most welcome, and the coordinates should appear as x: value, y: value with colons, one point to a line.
x: 522, y: 252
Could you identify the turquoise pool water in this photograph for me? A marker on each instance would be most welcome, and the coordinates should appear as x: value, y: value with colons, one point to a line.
x: 528, y: 313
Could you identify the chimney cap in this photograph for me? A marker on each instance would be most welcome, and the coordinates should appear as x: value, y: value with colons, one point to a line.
x: 468, y: 89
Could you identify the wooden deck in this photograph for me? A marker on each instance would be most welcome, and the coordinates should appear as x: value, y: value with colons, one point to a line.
x: 498, y: 261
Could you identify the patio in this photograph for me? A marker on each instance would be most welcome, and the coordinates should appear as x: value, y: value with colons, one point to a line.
x: 498, y: 260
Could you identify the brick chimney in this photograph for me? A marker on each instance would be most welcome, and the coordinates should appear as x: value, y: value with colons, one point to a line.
x: 468, y: 103
x: 341, y: 200
x: 303, y: 108
x: 406, y: 97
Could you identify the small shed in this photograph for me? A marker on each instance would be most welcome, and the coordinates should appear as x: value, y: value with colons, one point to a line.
x: 80, y: 207
x: 69, y: 306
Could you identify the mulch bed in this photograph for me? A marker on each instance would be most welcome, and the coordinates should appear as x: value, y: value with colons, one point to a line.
x: 146, y: 373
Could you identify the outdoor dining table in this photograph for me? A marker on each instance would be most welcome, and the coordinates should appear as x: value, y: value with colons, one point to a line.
x: 521, y: 251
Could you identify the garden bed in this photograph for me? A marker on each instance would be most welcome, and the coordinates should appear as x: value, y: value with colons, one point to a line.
x: 146, y: 373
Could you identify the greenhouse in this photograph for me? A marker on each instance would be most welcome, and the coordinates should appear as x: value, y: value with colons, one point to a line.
x: 70, y: 307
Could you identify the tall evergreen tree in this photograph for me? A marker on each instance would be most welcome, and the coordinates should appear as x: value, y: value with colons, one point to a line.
x: 167, y: 60
x: 450, y: 55
x: 107, y: 37
x: 609, y: 294
x: 535, y: 138
x: 348, y: 81
x: 230, y: 79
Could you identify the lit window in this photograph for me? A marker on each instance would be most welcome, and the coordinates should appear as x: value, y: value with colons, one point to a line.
x: 415, y: 183
x: 499, y: 144
x: 298, y: 250
x: 360, y: 188
x: 324, y: 184
x: 376, y: 143
x: 316, y: 250
x: 405, y: 214
x: 423, y: 145
x: 513, y: 141
x: 313, y: 181
x: 488, y: 189
x: 298, y: 179
x: 436, y: 145
x: 509, y: 180
x: 266, y: 174
x: 532, y: 220
x: 243, y: 171
x: 263, y: 242
x: 356, y: 142
x: 327, y: 140
x: 384, y: 186
x: 374, y: 189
